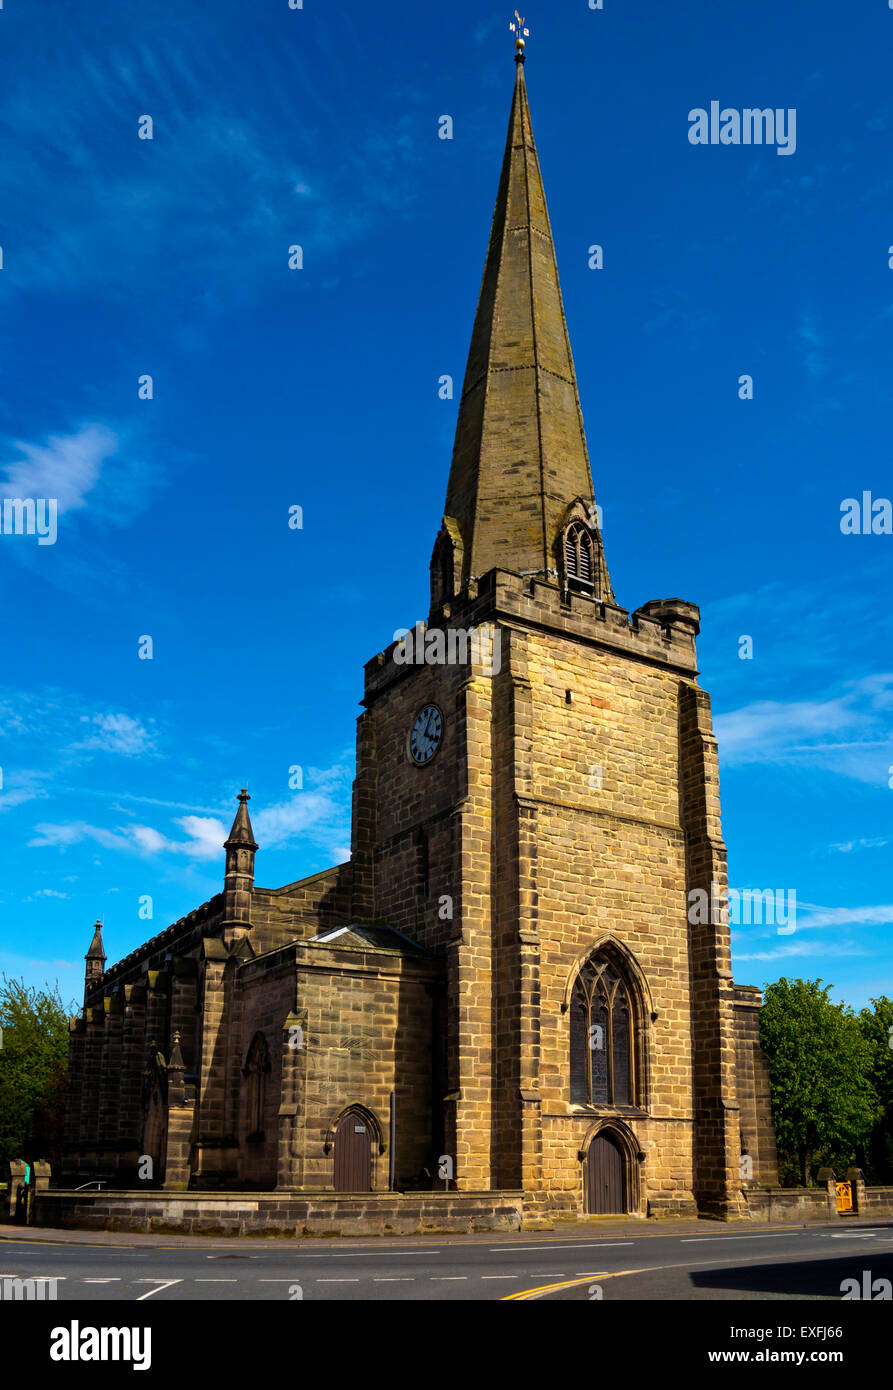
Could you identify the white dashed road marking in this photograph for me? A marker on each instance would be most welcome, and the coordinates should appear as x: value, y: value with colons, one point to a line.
x: 700, y: 1240
x: 548, y: 1250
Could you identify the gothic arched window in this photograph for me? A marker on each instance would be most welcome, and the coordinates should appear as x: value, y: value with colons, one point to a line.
x: 579, y: 557
x: 256, y: 1069
x: 602, y: 1036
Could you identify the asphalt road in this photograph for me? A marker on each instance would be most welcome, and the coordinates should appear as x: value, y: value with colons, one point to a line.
x: 703, y: 1263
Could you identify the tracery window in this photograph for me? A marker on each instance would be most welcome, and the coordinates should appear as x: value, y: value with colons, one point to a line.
x: 602, y: 1030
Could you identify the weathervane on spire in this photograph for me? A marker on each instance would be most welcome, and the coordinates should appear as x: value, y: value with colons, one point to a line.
x: 522, y: 35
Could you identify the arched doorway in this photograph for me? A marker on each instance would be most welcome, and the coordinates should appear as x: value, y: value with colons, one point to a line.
x: 604, y: 1177
x: 353, y: 1153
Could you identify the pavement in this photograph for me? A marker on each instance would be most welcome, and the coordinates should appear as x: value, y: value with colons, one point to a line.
x: 624, y: 1226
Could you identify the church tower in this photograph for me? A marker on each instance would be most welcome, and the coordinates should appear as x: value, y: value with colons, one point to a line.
x: 537, y: 798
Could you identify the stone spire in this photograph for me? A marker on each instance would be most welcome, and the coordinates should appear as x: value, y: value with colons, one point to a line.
x: 520, y: 460
x: 239, y: 876
x: 95, y: 959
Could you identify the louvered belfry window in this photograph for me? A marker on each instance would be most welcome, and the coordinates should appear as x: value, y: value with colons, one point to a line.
x: 579, y: 560
x: 601, y: 1039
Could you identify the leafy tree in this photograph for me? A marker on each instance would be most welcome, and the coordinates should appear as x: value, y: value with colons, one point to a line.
x: 32, y: 1071
x: 824, y: 1103
x: 877, y: 1028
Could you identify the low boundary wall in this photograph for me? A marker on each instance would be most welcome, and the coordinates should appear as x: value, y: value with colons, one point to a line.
x: 382, y: 1213
x: 280, y: 1214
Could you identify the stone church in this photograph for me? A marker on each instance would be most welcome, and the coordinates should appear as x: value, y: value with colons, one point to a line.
x: 502, y: 991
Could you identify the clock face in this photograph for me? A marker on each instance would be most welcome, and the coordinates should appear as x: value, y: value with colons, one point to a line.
x: 425, y: 735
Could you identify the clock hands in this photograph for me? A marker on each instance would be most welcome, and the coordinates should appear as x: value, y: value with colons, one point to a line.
x: 426, y: 734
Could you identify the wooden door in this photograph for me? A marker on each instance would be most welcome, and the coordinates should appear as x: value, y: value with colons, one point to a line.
x: 353, y: 1155
x: 604, y: 1177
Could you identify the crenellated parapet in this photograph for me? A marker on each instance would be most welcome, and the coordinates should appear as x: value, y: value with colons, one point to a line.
x: 179, y: 938
x: 661, y: 632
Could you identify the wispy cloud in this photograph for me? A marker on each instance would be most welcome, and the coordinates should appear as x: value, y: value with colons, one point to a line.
x: 204, y: 837
x: 846, y: 733
x: 811, y: 342
x: 226, y: 183
x: 850, y: 845
x: 317, y: 815
x: 87, y: 470
x: 67, y: 467
x: 21, y: 785
x: 58, y: 836
x: 116, y: 733
x: 879, y: 915
x: 803, y: 948
x: 810, y: 917
x: 54, y: 719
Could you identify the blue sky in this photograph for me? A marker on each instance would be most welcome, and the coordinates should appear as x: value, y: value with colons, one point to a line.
x: 318, y: 388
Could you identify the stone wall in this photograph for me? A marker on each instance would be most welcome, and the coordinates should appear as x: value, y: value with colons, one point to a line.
x: 789, y: 1204
x: 876, y: 1201
x: 225, y: 1214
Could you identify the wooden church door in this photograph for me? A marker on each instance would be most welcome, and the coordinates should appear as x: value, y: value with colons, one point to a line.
x: 353, y: 1155
x: 604, y: 1178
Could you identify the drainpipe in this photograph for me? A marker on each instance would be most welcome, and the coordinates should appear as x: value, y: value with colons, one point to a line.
x: 393, y: 1154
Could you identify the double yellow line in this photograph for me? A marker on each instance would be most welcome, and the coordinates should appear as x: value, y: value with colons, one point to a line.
x: 565, y: 1284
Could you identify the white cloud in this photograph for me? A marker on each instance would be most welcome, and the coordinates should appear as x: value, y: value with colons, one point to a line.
x: 25, y: 787
x: 801, y: 948
x: 68, y: 732
x: 205, y: 840
x: 117, y: 733
x: 845, y: 733
x: 67, y: 467
x: 318, y: 815
x: 850, y: 845
x: 206, y: 837
x: 755, y: 731
x: 148, y: 839
x: 881, y: 915
x: 55, y: 836
x: 90, y: 471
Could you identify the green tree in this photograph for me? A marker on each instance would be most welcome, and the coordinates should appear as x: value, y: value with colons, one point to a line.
x: 877, y: 1028
x: 824, y: 1104
x: 32, y: 1071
